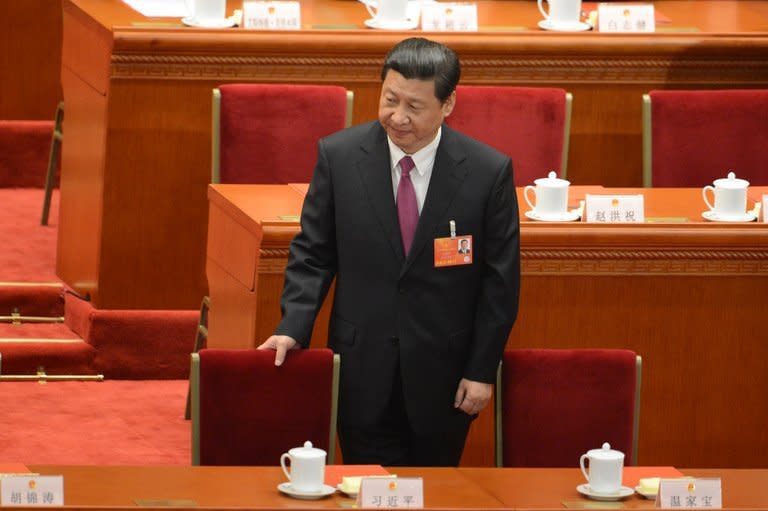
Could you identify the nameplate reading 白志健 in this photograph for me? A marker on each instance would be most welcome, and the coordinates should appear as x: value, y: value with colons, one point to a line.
x: 625, y: 18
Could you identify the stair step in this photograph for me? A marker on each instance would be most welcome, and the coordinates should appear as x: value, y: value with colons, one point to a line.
x: 32, y: 298
x: 54, y: 347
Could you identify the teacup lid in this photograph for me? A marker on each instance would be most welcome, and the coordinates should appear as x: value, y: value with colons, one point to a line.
x: 606, y: 453
x: 551, y: 181
x: 307, y: 451
x: 731, y: 182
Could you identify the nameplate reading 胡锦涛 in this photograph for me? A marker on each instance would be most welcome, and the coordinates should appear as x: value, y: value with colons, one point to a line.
x: 615, y: 209
x: 271, y: 15
x: 690, y: 494
x: 27, y: 491
x: 625, y: 18
x: 379, y: 492
x: 449, y: 17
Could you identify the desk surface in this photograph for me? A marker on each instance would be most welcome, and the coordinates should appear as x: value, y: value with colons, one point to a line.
x: 256, y: 487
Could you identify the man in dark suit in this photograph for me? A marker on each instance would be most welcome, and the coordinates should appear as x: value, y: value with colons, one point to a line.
x: 417, y: 358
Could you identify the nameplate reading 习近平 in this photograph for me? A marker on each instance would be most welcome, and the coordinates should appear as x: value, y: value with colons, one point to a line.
x: 271, y: 15
x: 449, y: 17
x: 379, y: 492
x: 690, y: 494
x: 29, y: 491
x: 614, y: 209
x: 625, y: 18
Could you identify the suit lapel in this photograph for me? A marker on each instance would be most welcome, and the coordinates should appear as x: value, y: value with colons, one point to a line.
x: 447, y: 175
x: 376, y: 174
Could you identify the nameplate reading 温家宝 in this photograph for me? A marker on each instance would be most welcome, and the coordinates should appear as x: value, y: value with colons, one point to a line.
x: 28, y: 491
x: 381, y: 492
x: 625, y: 18
x: 606, y: 209
x: 271, y: 15
x: 449, y: 17
x: 690, y: 494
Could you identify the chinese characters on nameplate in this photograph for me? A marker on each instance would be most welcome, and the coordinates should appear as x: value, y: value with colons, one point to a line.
x: 690, y: 494
x: 400, y: 492
x: 625, y: 18
x: 449, y: 17
x: 272, y: 15
x: 615, y: 208
x: 32, y: 491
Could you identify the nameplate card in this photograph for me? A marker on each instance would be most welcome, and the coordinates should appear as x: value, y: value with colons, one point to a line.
x: 449, y: 17
x: 28, y: 491
x: 272, y: 15
x: 625, y: 18
x: 399, y: 492
x: 765, y: 208
x: 690, y: 494
x: 615, y: 209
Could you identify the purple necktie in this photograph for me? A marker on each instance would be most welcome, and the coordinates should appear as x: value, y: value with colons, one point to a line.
x: 407, y: 208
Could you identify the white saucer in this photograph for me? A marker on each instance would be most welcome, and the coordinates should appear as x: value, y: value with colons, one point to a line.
x: 565, y: 27
x: 408, y: 24
x: 587, y: 492
x: 209, y: 23
x: 648, y: 495
x: 569, y: 216
x: 714, y: 217
x: 350, y: 494
x: 305, y: 495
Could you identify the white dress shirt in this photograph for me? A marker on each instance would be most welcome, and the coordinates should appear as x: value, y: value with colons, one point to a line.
x: 424, y: 159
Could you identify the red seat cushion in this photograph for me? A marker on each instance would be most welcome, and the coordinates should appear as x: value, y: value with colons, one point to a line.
x: 699, y: 136
x: 525, y: 123
x: 269, y: 132
x: 252, y: 411
x: 557, y: 404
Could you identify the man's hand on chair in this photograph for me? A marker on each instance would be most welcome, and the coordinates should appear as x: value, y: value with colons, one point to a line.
x: 281, y: 344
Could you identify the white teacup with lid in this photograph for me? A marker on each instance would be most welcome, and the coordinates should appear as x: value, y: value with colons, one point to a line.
x: 730, y: 195
x: 606, y: 467
x: 551, y: 196
x: 388, y: 12
x: 307, y: 472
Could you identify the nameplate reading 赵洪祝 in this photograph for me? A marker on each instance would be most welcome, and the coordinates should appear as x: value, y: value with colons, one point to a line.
x: 690, y: 494
x: 625, y: 18
x: 399, y: 492
x: 271, y: 15
x: 615, y: 209
x: 449, y: 17
x: 30, y: 491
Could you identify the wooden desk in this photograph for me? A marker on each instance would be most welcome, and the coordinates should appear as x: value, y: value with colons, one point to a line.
x: 113, y: 487
x: 688, y: 296
x: 137, y: 154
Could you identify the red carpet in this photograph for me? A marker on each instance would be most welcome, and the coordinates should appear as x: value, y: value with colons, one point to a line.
x: 88, y: 423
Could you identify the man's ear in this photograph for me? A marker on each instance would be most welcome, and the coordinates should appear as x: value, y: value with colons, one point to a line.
x: 448, y: 104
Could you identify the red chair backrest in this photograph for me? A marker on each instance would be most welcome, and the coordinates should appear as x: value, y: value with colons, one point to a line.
x: 527, y: 124
x: 558, y: 404
x: 269, y: 132
x: 24, y: 151
x: 699, y: 136
x: 252, y: 411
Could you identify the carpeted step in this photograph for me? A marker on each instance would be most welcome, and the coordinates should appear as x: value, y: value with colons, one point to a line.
x: 54, y: 347
x: 44, y: 299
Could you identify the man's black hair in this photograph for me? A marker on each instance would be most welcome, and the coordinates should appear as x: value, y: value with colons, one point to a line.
x: 423, y: 59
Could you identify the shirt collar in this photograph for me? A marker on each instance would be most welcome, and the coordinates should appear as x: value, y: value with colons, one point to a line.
x: 423, y: 158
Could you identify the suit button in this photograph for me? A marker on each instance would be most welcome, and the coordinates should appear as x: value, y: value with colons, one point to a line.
x: 394, y: 340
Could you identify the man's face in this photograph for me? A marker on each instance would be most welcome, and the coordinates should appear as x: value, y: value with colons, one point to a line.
x: 464, y: 244
x: 410, y: 112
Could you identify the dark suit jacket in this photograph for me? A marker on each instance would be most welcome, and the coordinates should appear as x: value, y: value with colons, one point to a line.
x: 385, y: 303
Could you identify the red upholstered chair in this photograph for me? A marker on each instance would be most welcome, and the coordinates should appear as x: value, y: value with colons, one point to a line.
x: 691, y: 138
x: 247, y: 411
x: 552, y: 406
x: 268, y: 133
x: 531, y: 125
